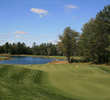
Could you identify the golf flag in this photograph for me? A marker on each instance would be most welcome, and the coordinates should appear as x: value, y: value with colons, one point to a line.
x: 76, y: 66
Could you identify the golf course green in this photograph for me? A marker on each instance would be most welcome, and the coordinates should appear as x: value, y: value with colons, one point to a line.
x: 54, y: 82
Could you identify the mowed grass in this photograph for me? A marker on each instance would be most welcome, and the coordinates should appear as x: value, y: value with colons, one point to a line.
x: 17, y: 83
x: 54, y: 82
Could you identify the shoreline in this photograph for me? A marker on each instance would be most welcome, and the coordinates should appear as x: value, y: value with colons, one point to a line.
x: 50, y: 57
x: 5, y: 58
x: 44, y: 56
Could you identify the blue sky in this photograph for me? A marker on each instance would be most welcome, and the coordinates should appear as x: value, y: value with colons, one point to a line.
x: 41, y: 21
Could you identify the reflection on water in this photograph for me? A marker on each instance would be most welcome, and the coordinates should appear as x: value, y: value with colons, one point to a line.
x: 27, y: 60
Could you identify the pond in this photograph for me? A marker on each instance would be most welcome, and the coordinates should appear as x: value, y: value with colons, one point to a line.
x: 25, y: 60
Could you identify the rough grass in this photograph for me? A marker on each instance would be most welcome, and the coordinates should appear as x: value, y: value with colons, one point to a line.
x: 2, y: 57
x: 54, y: 82
x: 5, y: 58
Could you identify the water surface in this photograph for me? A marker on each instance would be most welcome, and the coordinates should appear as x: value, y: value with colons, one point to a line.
x: 27, y: 60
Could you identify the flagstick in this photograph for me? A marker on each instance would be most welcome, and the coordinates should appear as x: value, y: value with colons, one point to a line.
x: 76, y: 71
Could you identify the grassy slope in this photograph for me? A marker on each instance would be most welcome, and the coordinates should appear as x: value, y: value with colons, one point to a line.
x: 54, y: 82
x: 18, y: 83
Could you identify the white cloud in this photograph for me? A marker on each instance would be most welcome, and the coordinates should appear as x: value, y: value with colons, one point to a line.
x: 46, y: 35
x: 3, y: 34
x: 57, y: 41
x: 68, y: 8
x: 34, y: 37
x: 71, y: 7
x: 17, y: 36
x: 40, y: 15
x: 49, y: 14
x: 19, y: 32
x: 72, y: 17
x: 8, y: 32
x: 11, y: 41
x: 59, y: 33
x: 26, y: 37
x: 28, y: 14
x: 58, y: 38
x: 50, y: 40
x: 45, y: 14
x: 66, y: 12
x: 29, y: 38
x: 40, y: 12
x: 81, y: 23
x: 2, y: 40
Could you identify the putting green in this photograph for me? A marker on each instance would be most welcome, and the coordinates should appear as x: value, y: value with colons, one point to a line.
x: 54, y: 82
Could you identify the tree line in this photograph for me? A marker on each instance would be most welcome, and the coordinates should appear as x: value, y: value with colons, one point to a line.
x: 21, y: 48
x: 93, y: 44
x: 94, y: 41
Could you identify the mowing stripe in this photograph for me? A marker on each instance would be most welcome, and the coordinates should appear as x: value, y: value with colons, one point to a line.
x: 38, y: 77
x: 25, y: 84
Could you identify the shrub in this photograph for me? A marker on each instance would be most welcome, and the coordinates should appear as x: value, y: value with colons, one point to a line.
x: 79, y: 60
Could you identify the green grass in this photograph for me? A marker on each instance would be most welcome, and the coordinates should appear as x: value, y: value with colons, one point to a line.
x: 54, y: 57
x: 18, y: 83
x: 54, y: 82
x: 2, y: 57
x: 5, y: 58
x: 51, y: 57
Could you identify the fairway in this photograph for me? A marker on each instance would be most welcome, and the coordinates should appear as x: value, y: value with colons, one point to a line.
x: 54, y: 82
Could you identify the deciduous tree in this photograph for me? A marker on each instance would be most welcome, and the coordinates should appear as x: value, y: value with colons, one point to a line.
x: 69, y: 41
